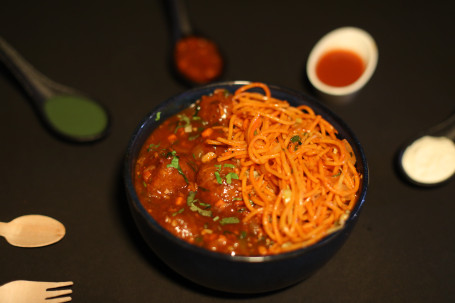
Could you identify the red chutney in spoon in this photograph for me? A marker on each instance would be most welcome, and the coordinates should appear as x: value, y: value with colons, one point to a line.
x: 198, y: 59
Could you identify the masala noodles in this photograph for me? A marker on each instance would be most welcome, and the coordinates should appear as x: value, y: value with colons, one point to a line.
x: 248, y: 174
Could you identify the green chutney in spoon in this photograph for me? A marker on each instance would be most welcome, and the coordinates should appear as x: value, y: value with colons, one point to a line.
x: 67, y: 112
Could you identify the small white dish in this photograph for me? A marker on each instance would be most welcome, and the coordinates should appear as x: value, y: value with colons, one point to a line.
x: 347, y: 39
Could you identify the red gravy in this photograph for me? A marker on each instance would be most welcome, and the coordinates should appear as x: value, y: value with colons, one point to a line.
x: 339, y: 67
x: 198, y: 59
x: 181, y: 184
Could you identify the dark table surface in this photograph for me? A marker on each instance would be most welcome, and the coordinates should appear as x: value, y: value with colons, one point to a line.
x: 403, y: 246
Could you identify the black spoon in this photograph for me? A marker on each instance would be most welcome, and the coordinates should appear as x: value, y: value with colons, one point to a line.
x: 196, y: 58
x: 428, y: 159
x: 68, y: 113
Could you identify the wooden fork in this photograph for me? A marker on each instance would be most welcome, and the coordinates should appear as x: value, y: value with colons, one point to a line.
x: 22, y: 291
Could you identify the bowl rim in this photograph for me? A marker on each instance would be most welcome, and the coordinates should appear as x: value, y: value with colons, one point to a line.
x: 128, y: 169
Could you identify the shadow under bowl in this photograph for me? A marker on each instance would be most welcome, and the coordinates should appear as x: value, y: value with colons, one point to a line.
x: 222, y: 272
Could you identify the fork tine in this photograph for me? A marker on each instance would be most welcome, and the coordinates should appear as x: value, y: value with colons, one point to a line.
x: 59, y: 300
x: 51, y: 285
x: 58, y: 293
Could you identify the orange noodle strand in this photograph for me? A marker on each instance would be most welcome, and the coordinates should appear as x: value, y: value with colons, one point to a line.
x: 297, y: 176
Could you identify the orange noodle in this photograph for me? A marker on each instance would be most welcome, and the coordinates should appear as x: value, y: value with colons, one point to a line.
x: 297, y: 176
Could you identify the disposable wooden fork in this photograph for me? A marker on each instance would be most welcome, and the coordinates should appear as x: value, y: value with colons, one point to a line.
x: 22, y: 291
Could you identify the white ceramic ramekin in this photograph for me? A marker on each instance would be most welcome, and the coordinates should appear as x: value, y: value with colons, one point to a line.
x: 345, y: 38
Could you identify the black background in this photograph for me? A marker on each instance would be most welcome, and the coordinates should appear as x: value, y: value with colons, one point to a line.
x: 403, y: 246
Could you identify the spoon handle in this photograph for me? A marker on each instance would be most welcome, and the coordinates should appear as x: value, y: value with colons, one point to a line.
x: 28, y: 76
x: 446, y: 128
x: 2, y: 228
x: 38, y: 86
x: 451, y: 127
x: 180, y: 19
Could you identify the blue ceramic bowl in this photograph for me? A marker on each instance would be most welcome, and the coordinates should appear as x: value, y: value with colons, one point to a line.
x: 222, y: 272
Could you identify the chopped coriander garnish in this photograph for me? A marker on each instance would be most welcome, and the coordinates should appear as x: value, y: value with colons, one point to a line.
x: 191, y: 202
x: 206, y: 205
x: 190, y: 198
x: 186, y: 123
x: 158, y: 116
x: 169, y: 153
x: 243, y: 234
x: 295, y: 138
x: 175, y: 164
x: 218, y: 177
x: 204, y: 212
x: 153, y: 146
x: 298, y: 140
x: 178, y: 212
x: 229, y: 220
x: 231, y: 176
x: 185, y: 119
